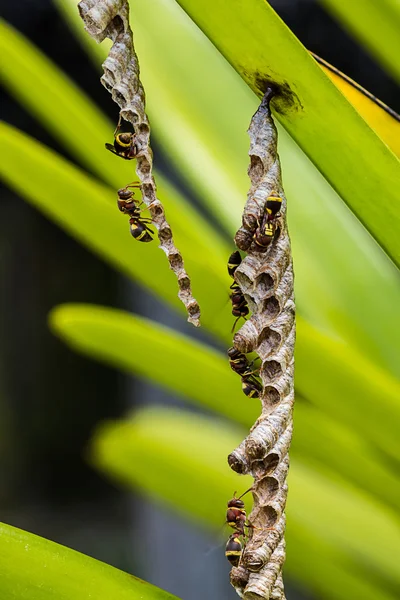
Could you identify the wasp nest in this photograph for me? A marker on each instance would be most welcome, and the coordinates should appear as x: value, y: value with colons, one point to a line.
x: 110, y: 18
x: 265, y: 277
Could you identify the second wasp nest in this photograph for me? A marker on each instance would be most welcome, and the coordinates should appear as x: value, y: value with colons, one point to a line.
x: 110, y: 18
x: 265, y: 278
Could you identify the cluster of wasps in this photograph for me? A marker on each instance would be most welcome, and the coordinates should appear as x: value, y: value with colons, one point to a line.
x: 125, y: 147
x: 267, y: 230
x: 263, y: 236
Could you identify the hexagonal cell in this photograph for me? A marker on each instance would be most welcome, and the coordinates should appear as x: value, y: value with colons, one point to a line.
x: 237, y: 464
x: 270, y: 462
x: 256, y: 169
x: 264, y: 284
x: 269, y: 341
x: 268, y: 516
x: 175, y: 260
x: 157, y: 210
x: 268, y: 487
x: 271, y: 370
x: 148, y: 191
x: 271, y: 396
x: 184, y: 283
x: 270, y: 308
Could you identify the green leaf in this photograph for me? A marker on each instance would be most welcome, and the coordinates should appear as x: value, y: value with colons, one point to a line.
x: 375, y: 24
x: 325, y: 442
x: 324, y: 124
x: 202, y: 375
x: 87, y: 210
x: 59, y: 104
x: 160, y: 354
x: 33, y: 568
x: 174, y: 458
x: 331, y: 577
x: 333, y: 376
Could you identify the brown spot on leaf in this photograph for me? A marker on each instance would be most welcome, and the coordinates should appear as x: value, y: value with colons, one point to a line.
x: 283, y: 98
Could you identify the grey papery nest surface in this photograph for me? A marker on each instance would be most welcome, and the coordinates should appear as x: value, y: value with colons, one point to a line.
x: 110, y: 18
x: 266, y: 280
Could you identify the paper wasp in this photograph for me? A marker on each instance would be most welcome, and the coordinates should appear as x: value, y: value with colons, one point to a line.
x: 239, y: 363
x: 266, y: 230
x: 236, y: 518
x: 236, y: 513
x: 129, y: 206
x: 124, y: 143
x: 239, y: 303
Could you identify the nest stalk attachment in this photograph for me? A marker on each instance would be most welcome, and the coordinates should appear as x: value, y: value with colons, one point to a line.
x: 110, y: 18
x: 265, y: 278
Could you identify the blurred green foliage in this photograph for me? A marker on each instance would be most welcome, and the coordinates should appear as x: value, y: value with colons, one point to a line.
x: 33, y: 568
x: 375, y: 24
x: 343, y: 533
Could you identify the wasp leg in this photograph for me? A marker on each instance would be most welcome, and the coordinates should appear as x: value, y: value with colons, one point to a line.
x: 237, y: 319
x: 118, y: 127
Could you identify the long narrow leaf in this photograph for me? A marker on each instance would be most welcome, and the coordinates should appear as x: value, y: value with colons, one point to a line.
x: 202, y: 375
x: 32, y: 568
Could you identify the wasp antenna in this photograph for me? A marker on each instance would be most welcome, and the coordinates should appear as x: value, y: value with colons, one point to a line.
x: 246, y: 492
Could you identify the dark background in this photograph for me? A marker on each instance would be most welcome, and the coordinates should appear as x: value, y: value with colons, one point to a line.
x: 51, y: 399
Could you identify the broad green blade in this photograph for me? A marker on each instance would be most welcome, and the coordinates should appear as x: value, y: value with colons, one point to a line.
x: 33, y: 568
x: 87, y: 210
x: 202, y: 375
x: 324, y: 124
x: 177, y: 459
x: 375, y: 24
x: 329, y: 244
